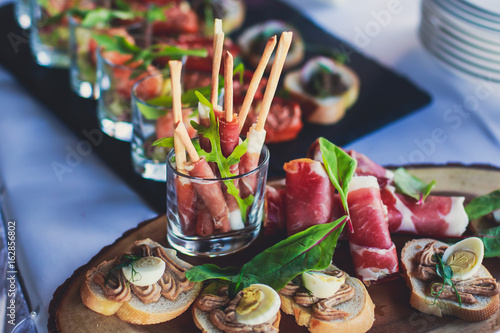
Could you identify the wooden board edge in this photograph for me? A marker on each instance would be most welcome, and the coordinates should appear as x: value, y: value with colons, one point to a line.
x: 58, y: 294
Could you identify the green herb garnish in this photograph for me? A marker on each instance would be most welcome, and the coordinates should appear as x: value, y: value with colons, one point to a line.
x: 144, y: 56
x: 483, y: 205
x: 340, y: 168
x: 223, y: 163
x: 311, y: 249
x: 126, y: 260
x: 412, y: 186
x: 446, y: 273
x: 491, y: 241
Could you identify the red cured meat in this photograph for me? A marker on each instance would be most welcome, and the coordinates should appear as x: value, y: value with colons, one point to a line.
x: 437, y: 217
x: 366, y: 167
x: 369, y: 221
x: 229, y: 135
x: 309, y: 195
x: 211, y: 193
x: 186, y: 203
x: 283, y: 122
x: 374, y: 264
x: 204, y: 221
x: 274, y: 209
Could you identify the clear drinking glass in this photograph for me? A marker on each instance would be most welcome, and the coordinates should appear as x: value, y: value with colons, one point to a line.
x: 187, y: 212
x: 23, y: 13
x: 82, y: 51
x: 114, y: 83
x: 49, y: 38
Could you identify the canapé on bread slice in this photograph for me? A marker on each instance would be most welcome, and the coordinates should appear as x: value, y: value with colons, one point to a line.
x: 202, y: 321
x: 485, y: 307
x: 360, y: 308
x: 135, y: 311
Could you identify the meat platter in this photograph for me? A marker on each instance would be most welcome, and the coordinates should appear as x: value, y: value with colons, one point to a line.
x: 392, y: 312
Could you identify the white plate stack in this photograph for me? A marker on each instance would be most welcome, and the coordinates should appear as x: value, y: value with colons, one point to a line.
x: 464, y: 35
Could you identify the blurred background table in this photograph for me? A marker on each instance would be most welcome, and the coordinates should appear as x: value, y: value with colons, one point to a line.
x: 61, y: 224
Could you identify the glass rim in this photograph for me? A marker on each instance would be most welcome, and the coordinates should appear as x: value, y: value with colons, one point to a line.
x: 261, y: 165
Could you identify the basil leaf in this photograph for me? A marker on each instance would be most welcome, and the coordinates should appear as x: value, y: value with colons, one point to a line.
x: 210, y: 271
x: 411, y: 185
x: 311, y: 249
x: 491, y: 241
x: 340, y: 168
x: 483, y: 205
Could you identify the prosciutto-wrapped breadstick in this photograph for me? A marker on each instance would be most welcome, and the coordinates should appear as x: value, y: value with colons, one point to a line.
x: 309, y: 195
x: 204, y: 111
x: 374, y: 254
x: 186, y: 195
x: 257, y: 135
x: 436, y: 217
x: 210, y: 192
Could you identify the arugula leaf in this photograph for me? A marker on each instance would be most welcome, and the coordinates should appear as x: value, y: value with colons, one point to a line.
x: 311, y: 249
x: 239, y: 69
x: 151, y: 112
x: 483, y: 205
x: 340, y: 168
x: 491, y: 241
x: 215, y: 155
x: 412, y: 186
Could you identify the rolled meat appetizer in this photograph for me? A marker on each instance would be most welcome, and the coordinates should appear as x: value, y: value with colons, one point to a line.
x: 372, y: 249
x: 437, y: 217
x: 309, y: 195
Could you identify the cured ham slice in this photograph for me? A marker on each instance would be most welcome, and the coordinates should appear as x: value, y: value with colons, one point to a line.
x: 366, y: 167
x: 371, y: 231
x: 204, y: 221
x: 437, y: 217
x: 309, y: 195
x: 186, y: 203
x: 211, y: 193
x: 229, y: 135
x: 250, y: 161
x: 274, y: 209
x: 374, y: 264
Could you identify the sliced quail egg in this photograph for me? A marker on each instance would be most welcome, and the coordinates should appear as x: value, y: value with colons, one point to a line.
x: 322, y: 285
x: 260, y: 303
x: 144, y: 271
x: 464, y: 257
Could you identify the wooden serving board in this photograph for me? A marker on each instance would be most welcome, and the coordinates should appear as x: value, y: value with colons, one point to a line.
x: 392, y: 310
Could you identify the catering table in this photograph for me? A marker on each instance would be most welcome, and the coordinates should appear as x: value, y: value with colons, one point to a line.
x: 62, y: 222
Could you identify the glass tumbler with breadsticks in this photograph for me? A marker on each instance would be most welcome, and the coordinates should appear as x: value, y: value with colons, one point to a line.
x: 215, y: 184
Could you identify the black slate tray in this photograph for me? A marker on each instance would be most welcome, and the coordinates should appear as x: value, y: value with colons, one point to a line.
x: 384, y: 96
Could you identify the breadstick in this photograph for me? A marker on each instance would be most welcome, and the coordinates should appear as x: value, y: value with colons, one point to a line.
x: 228, y: 87
x: 254, y: 83
x: 175, y: 78
x: 218, y: 46
x: 182, y: 133
x: 272, y: 83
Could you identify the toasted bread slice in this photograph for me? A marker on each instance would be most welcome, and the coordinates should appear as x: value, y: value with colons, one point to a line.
x: 202, y: 321
x: 360, y: 308
x: 483, y: 309
x: 135, y: 311
x: 329, y: 110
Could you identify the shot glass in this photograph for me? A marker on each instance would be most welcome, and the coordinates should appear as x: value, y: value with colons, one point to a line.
x: 49, y: 38
x: 115, y: 80
x: 152, y: 119
x: 22, y: 11
x: 190, y: 225
x: 82, y: 51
